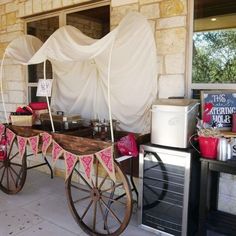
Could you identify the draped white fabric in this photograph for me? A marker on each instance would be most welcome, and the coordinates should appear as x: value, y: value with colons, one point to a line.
x: 81, y: 68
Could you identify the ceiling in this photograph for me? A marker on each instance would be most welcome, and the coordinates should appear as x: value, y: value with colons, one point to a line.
x: 207, y: 8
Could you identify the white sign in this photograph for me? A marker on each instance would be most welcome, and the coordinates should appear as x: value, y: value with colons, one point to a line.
x: 44, y: 88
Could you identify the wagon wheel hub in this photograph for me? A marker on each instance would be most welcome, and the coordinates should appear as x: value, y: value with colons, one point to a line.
x: 6, y: 163
x: 95, y: 194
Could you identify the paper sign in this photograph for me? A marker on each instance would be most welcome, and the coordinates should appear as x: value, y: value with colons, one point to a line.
x: 44, y: 88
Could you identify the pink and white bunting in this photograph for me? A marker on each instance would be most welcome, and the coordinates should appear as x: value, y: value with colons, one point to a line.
x: 86, y: 162
x: 34, y: 143
x: 105, y: 157
x: 10, y: 137
x: 57, y: 151
x: 47, y: 140
x: 21, y: 141
x: 70, y: 160
x: 2, y: 129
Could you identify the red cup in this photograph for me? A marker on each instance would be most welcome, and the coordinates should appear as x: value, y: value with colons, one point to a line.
x: 208, y: 147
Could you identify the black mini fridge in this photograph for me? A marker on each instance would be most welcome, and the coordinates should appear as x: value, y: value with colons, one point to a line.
x: 169, y: 190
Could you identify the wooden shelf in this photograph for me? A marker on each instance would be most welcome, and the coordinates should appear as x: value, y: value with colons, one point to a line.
x: 228, y: 134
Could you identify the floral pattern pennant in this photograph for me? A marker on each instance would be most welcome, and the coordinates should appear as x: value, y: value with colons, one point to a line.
x: 34, y: 143
x: 57, y: 151
x: 87, y: 166
x: 10, y: 137
x: 21, y: 141
x: 2, y: 129
x: 105, y: 157
x: 70, y: 160
x: 47, y: 140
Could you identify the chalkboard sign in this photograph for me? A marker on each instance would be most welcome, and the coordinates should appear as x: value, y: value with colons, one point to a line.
x: 218, y: 107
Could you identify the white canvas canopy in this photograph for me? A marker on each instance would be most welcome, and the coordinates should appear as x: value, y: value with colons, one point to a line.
x: 113, y: 77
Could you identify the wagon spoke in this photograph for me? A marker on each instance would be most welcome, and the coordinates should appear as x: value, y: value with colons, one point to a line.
x: 112, y: 213
x: 12, y: 177
x: 112, y: 187
x: 3, y: 175
x: 96, y: 180
x: 90, y: 204
x: 13, y: 156
x: 94, y: 215
x: 79, y: 188
x: 112, y: 200
x: 1, y: 166
x: 83, y: 179
x: 82, y: 199
x: 103, y: 181
x: 7, y: 179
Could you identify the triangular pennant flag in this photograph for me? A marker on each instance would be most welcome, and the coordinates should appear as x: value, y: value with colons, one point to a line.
x: 87, y: 166
x: 2, y: 129
x: 21, y: 141
x: 70, y: 160
x: 46, y: 139
x: 57, y: 151
x: 10, y: 137
x: 106, y: 159
x: 34, y: 143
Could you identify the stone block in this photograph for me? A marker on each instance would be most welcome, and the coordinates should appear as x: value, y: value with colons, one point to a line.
x: 17, y: 97
x: 115, y: 3
x: 10, y: 107
x: 13, y: 73
x: 118, y: 13
x: 175, y: 63
x: 21, y: 10
x: 173, y: 8
x: 171, y: 41
x: 56, y: 4
x: 67, y: 2
x: 46, y: 5
x: 37, y: 7
x: 10, y: 7
x: 160, y: 64
x: 5, y: 97
x: 171, y: 85
x: 11, y: 18
x: 8, y: 37
x: 148, y: 1
x: 2, y: 9
x: 151, y: 11
x: 15, y: 27
x: 5, y: 1
x: 3, y: 20
x: 12, y: 85
x: 171, y: 22
x: 28, y: 8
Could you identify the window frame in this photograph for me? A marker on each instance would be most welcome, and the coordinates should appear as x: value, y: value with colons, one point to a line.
x: 62, y: 15
x: 189, y: 84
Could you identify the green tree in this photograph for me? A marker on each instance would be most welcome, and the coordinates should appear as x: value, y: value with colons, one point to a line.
x: 214, y: 57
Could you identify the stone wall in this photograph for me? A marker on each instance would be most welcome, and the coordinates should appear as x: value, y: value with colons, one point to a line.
x: 167, y: 19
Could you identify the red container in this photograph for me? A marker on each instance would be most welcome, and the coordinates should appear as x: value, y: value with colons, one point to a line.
x: 208, y: 147
x: 38, y: 105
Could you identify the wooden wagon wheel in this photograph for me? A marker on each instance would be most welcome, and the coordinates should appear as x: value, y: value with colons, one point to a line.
x: 97, y: 208
x: 12, y: 171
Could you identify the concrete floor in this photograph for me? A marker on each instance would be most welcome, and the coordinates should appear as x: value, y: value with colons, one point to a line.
x: 41, y: 209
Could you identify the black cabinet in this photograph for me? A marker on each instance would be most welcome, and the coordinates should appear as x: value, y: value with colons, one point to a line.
x: 209, y: 217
